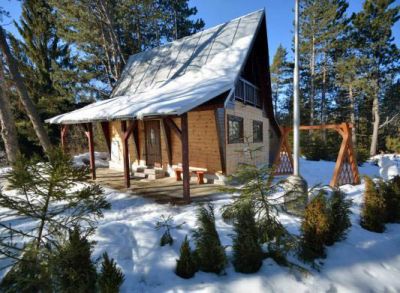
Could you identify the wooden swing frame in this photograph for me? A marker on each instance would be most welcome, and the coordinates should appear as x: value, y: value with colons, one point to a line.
x: 346, y: 162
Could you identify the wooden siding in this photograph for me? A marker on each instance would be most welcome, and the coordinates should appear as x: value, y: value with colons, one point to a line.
x: 203, y: 143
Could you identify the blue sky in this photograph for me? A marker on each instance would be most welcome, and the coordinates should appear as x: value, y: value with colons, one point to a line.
x: 279, y: 16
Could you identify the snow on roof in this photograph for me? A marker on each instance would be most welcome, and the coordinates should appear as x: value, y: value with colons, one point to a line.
x: 176, y: 77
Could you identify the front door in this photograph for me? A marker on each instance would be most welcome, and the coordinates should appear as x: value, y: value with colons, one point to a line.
x: 153, y: 143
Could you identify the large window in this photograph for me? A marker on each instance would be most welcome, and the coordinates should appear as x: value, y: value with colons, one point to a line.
x: 257, y: 131
x: 235, y: 129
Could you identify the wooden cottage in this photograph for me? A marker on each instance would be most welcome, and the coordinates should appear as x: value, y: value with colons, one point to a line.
x: 190, y: 107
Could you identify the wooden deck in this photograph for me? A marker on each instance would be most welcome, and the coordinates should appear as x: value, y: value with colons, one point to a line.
x: 164, y: 190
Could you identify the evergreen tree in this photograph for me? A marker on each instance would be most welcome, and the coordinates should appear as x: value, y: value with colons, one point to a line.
x: 209, y: 252
x: 30, y: 274
x: 110, y: 277
x: 46, y: 64
x: 374, y: 42
x: 48, y: 197
x: 280, y: 76
x: 339, y: 217
x: 374, y: 208
x: 72, y: 267
x: 314, y: 229
x: 109, y: 31
x: 247, y: 252
x: 186, y: 265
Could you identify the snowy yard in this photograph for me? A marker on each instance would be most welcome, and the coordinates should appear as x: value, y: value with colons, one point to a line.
x: 364, y: 262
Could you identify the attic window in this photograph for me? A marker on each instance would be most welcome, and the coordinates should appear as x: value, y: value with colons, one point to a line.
x: 235, y: 129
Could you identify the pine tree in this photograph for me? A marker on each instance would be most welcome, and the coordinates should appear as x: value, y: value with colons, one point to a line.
x: 48, y: 197
x: 110, y: 277
x: 209, y: 252
x: 280, y: 76
x: 374, y: 208
x: 247, y: 252
x: 109, y: 32
x: 374, y: 42
x: 314, y: 229
x: 30, y: 274
x: 186, y: 265
x: 339, y: 217
x: 72, y: 267
x: 390, y: 191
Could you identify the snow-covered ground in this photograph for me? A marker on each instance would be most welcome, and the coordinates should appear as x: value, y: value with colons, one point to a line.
x: 364, y: 262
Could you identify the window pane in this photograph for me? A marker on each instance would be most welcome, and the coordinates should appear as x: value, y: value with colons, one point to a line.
x: 235, y: 129
x: 257, y: 131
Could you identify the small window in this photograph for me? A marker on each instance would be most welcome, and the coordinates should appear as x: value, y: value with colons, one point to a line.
x: 235, y: 129
x: 257, y: 131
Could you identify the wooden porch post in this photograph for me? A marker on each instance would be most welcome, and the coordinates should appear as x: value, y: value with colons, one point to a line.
x: 185, y: 157
x: 89, y: 135
x: 126, y: 132
x: 125, y: 150
x: 64, y: 130
x: 105, y: 126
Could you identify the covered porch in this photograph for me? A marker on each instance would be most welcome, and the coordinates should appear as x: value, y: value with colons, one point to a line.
x: 163, y: 190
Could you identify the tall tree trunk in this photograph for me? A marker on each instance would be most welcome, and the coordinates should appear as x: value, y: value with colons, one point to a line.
x: 376, y: 118
x: 323, y: 97
x: 312, y: 80
x: 23, y: 93
x: 8, y: 130
x: 352, y: 116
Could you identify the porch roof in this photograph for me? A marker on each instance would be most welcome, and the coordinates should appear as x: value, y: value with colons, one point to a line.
x: 174, y: 78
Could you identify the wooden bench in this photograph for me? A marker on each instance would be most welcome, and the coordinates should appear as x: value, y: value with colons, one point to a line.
x: 198, y: 171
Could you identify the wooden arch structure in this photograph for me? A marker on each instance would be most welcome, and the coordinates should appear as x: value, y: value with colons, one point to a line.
x: 346, y: 169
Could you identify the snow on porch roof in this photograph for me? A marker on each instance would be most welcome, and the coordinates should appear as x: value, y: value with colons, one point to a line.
x: 174, y: 78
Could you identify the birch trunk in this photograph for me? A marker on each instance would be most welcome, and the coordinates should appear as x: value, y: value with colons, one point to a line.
x: 375, y: 115
x: 23, y: 93
x: 352, y: 116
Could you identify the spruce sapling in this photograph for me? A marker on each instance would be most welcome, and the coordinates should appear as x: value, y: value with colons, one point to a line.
x: 110, y: 277
x: 339, y: 217
x: 247, y: 253
x: 209, y: 251
x: 373, y: 212
x: 186, y: 265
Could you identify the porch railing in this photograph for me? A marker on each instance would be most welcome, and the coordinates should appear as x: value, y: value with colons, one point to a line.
x: 247, y: 93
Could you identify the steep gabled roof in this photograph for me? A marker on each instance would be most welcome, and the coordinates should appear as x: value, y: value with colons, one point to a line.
x: 176, y: 77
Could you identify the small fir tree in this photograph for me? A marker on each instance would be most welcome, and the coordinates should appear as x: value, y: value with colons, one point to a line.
x: 47, y: 196
x: 390, y: 191
x: 167, y: 223
x: 72, y: 267
x: 247, y: 252
x: 186, y: 265
x: 209, y: 252
x: 29, y: 274
x: 110, y: 277
x: 374, y: 208
x: 314, y: 229
x: 339, y: 217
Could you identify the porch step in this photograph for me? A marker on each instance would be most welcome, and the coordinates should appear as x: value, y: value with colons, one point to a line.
x: 153, y: 171
x: 139, y: 174
x: 155, y: 176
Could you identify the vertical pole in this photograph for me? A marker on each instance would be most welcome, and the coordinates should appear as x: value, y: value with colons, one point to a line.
x: 296, y: 106
x: 125, y: 150
x: 91, y: 150
x: 185, y: 157
x: 64, y: 129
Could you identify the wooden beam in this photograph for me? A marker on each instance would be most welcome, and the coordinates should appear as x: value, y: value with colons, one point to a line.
x: 168, y: 144
x: 105, y: 126
x: 185, y: 157
x: 89, y: 135
x: 171, y: 124
x: 135, y: 134
x: 221, y: 138
x: 64, y: 131
x: 125, y: 151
